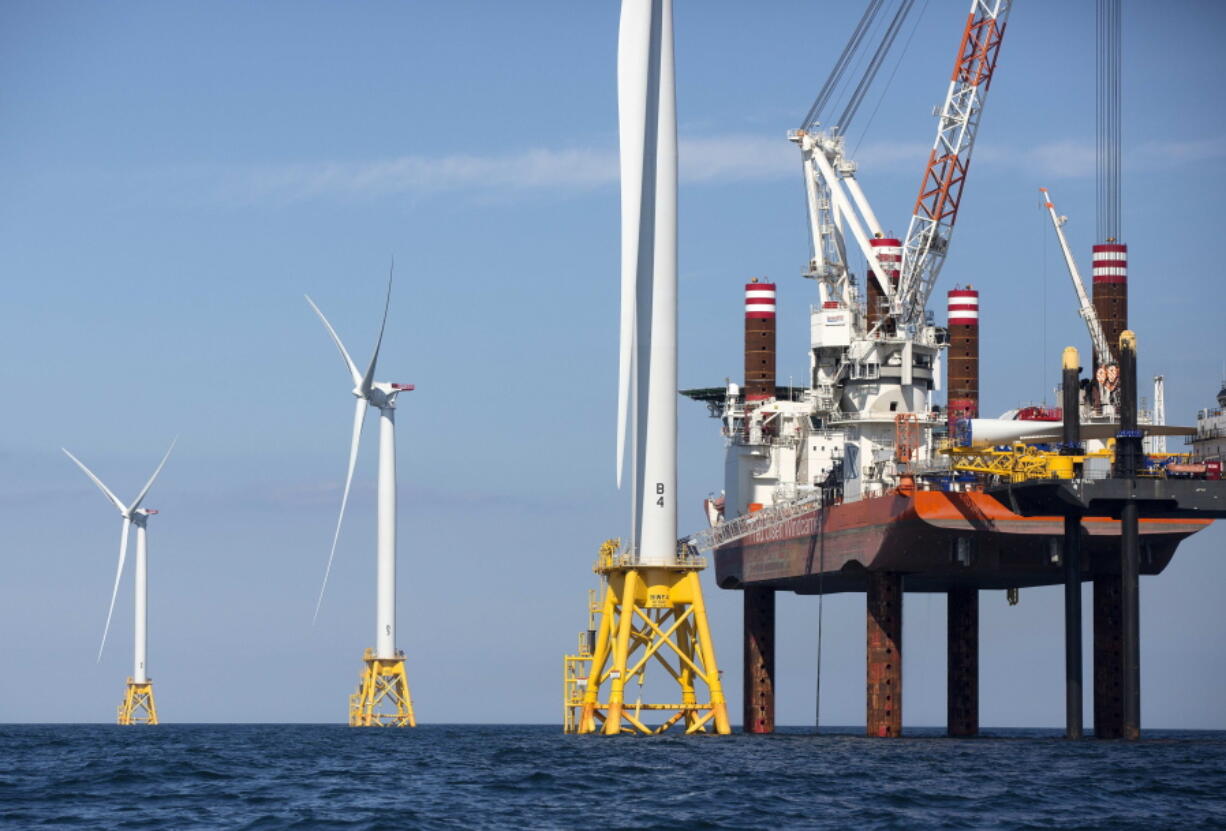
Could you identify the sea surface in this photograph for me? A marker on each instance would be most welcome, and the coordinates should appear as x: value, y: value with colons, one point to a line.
x: 439, y: 776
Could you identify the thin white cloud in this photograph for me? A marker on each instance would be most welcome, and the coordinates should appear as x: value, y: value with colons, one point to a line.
x: 1074, y: 158
x: 703, y: 160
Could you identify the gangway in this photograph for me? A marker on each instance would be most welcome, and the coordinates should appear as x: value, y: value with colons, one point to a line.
x: 748, y: 524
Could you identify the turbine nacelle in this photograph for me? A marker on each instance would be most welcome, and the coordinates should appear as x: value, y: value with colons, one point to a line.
x: 382, y: 395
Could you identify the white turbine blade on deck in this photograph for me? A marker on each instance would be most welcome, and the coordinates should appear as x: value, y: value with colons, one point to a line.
x: 105, y: 490
x: 144, y: 491
x: 369, y: 378
x: 123, y: 554
x: 633, y: 46
x: 353, y: 369
x: 359, y: 416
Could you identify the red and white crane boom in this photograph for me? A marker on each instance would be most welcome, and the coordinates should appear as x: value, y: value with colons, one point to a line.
x: 940, y: 194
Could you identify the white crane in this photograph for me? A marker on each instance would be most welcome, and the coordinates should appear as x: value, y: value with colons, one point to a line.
x: 132, y: 514
x: 836, y: 203
x: 1085, y: 308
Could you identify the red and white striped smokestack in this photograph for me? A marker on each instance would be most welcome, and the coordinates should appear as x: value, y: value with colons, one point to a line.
x: 1111, y: 290
x: 963, y: 354
x: 759, y: 340
x: 889, y: 256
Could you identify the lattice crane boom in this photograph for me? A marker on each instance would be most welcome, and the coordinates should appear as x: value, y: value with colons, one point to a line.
x: 940, y: 193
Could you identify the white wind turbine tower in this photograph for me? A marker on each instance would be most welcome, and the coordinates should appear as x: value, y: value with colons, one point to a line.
x: 138, y: 706
x: 651, y: 577
x: 383, y: 697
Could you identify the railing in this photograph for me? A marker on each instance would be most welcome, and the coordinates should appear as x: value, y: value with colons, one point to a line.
x: 1205, y: 435
x: 743, y: 526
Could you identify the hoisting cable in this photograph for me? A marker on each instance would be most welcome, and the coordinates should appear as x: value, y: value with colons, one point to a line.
x: 840, y: 66
x: 889, y: 83
x: 883, y: 48
x: 821, y: 602
x: 1108, y: 127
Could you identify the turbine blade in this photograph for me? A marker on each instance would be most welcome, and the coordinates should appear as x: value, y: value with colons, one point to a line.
x: 369, y: 378
x: 633, y: 44
x: 123, y: 553
x: 353, y: 369
x: 145, y: 490
x: 105, y: 490
x: 359, y: 416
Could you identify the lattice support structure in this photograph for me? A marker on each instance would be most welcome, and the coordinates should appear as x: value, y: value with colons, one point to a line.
x: 653, y: 616
x: 577, y: 668
x: 138, y: 706
x: 382, y: 699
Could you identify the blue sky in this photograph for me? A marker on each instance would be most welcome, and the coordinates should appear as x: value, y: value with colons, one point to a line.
x: 176, y: 175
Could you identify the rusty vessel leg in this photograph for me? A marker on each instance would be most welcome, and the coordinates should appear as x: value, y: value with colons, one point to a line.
x: 1108, y: 658
x: 759, y: 661
x: 963, y: 682
x: 884, y: 601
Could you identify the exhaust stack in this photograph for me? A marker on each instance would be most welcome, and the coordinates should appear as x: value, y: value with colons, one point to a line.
x: 963, y: 355
x: 759, y: 340
x: 889, y: 257
x: 1111, y: 291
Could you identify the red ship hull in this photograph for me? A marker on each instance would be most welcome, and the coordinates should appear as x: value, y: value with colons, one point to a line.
x: 938, y: 540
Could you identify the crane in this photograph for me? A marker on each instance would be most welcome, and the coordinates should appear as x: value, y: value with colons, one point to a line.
x: 1099, y: 340
x: 837, y: 204
x: 940, y: 194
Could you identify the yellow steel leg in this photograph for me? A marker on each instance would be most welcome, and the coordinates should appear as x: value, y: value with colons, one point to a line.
x: 383, y: 699
x: 685, y: 640
x: 138, y: 706
x: 718, y: 705
x: 587, y: 721
x: 621, y: 650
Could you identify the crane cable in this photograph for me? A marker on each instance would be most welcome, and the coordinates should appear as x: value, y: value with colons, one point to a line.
x: 883, y: 48
x: 906, y: 47
x: 821, y: 602
x: 840, y: 66
x: 1108, y: 126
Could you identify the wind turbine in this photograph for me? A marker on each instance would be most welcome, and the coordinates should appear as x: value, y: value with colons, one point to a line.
x: 138, y: 706
x: 383, y: 698
x: 651, y: 582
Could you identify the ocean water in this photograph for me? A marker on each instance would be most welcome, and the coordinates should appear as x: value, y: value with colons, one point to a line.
x: 439, y: 776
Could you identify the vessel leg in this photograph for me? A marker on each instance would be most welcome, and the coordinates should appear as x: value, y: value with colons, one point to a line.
x: 1071, y: 556
x: 1108, y: 664
x: 962, y: 690
x: 759, y: 687
x: 1130, y: 623
x: 884, y: 653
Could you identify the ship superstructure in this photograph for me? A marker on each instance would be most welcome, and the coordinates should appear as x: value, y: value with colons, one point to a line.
x: 867, y: 420
x: 1209, y: 443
